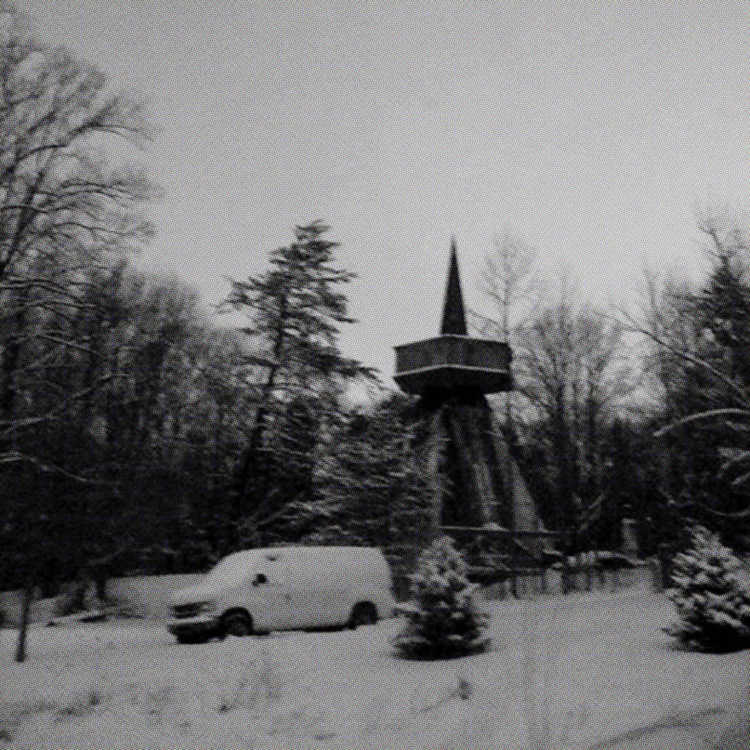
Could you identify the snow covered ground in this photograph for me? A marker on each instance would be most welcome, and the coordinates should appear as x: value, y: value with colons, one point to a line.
x: 581, y: 671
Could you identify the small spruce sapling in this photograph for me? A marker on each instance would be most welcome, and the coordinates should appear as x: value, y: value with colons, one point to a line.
x: 711, y: 596
x: 444, y: 621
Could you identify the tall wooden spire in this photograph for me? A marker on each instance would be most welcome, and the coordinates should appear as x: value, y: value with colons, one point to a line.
x: 475, y: 479
x: 453, y: 361
x: 454, y: 317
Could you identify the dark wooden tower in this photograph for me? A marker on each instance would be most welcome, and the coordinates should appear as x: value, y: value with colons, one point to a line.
x: 477, y: 481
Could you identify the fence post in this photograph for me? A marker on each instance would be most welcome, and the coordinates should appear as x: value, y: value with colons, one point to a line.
x: 565, y: 571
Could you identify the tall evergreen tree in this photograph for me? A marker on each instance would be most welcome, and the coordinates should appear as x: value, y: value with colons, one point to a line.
x: 371, y: 476
x: 294, y: 310
x: 700, y: 335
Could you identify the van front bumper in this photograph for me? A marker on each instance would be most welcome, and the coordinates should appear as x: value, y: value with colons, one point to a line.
x: 207, y: 625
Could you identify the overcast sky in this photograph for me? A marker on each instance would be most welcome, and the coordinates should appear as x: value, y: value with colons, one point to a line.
x: 594, y: 130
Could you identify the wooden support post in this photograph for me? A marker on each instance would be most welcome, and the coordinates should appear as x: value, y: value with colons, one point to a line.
x: 434, y: 454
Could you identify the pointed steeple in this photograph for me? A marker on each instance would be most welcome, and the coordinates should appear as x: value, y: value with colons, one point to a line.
x: 452, y: 362
x: 454, y: 317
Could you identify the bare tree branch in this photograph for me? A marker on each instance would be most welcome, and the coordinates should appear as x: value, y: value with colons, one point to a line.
x: 712, y: 414
x: 13, y: 457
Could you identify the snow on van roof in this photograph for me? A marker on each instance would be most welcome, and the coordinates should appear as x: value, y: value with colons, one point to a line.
x: 240, y: 560
x: 251, y: 554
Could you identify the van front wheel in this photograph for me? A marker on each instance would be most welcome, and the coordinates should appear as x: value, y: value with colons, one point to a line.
x: 364, y: 613
x: 237, y: 624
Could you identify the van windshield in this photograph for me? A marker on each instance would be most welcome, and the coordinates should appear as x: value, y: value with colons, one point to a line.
x: 233, y: 568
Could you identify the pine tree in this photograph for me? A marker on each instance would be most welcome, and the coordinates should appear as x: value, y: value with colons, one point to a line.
x: 711, y: 598
x: 445, y: 621
x: 370, y: 471
x: 294, y: 312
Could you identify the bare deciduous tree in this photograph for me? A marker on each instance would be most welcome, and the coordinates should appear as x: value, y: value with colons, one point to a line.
x: 572, y: 375
x: 509, y: 280
x: 62, y: 208
x: 63, y: 212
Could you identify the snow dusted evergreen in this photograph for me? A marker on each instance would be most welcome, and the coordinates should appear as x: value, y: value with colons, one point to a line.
x: 711, y: 596
x: 445, y: 621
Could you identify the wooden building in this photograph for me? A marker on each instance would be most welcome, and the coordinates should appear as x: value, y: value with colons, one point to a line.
x: 477, y: 483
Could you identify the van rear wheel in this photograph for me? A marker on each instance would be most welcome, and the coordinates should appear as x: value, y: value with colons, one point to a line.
x: 237, y: 624
x: 364, y: 613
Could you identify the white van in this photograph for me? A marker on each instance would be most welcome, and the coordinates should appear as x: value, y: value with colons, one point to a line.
x: 283, y: 588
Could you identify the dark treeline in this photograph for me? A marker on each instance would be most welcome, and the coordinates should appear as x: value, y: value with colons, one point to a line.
x: 138, y: 435
x: 640, y: 415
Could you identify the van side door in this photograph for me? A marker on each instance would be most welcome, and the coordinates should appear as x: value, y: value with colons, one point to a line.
x: 320, y: 592
x: 271, y: 592
x: 309, y: 596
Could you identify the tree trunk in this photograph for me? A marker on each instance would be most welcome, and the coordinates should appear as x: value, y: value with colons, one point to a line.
x: 26, y: 597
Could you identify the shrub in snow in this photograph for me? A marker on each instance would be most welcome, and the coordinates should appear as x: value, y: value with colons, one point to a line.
x: 711, y: 597
x: 444, y: 620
